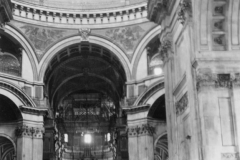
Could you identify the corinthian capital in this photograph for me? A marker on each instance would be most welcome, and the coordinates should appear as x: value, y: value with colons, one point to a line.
x: 32, y: 132
x: 217, y: 80
x: 157, y: 10
x: 165, y: 50
x: 185, y: 11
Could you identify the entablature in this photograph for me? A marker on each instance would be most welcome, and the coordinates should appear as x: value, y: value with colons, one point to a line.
x: 73, y: 18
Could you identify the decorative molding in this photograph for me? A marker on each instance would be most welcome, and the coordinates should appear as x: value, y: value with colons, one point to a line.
x: 165, y: 49
x: 230, y: 156
x: 136, y: 109
x: 31, y: 132
x: 131, y: 101
x: 84, y: 33
x: 157, y: 10
x: 19, y: 93
x: 185, y: 11
x: 182, y: 104
x: 205, y: 79
x: 221, y: 80
x: 217, y: 80
x: 224, y: 80
x: 235, y: 79
x: 77, y: 18
x: 219, y: 39
x: 5, y: 13
x: 34, y: 111
x: 149, y: 93
x: 145, y: 129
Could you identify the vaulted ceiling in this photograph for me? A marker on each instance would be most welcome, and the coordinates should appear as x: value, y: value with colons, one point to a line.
x: 84, y: 67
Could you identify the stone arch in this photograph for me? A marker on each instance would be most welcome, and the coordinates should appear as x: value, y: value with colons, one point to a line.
x: 147, y: 97
x: 10, y: 111
x: 76, y: 40
x: 81, y: 74
x: 26, y: 46
x: 141, y: 46
x: 10, y: 139
x: 7, y: 146
x: 161, y: 147
x: 20, y: 98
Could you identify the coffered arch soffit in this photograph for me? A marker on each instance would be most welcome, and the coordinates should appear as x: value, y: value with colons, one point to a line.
x: 15, y: 34
x: 97, y: 88
x: 65, y: 85
x: 140, y: 48
x: 64, y: 95
x: 54, y: 50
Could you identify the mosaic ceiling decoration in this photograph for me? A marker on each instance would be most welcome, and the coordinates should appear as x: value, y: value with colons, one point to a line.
x: 41, y: 38
x: 127, y: 36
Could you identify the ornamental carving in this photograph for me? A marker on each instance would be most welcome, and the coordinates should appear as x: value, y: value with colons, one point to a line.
x: 235, y: 78
x: 7, y: 86
x: 149, y: 93
x: 206, y: 79
x: 26, y: 131
x: 42, y: 38
x: 127, y: 37
x: 185, y: 10
x: 84, y: 33
x: 164, y: 49
x: 182, y: 104
x: 230, y: 156
x: 145, y: 129
x: 157, y: 10
x: 6, y: 13
x: 217, y: 80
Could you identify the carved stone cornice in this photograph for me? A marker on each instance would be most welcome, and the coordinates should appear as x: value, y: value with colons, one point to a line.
x: 31, y: 132
x: 218, y: 80
x: 185, y: 11
x: 34, y: 111
x: 230, y: 156
x: 142, y: 130
x: 157, y: 10
x: 182, y: 104
x: 5, y: 12
x: 136, y: 109
x: 165, y: 50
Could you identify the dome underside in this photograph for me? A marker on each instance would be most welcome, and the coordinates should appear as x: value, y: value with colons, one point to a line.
x: 82, y: 4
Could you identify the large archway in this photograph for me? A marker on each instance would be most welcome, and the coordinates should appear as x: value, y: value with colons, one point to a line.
x: 85, y: 84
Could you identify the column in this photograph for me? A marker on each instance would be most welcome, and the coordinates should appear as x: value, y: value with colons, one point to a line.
x: 140, y: 142
x: 29, y: 143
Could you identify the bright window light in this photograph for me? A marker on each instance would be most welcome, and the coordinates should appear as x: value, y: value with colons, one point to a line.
x: 87, y: 138
x: 158, y: 71
x: 65, y: 137
x: 108, y: 137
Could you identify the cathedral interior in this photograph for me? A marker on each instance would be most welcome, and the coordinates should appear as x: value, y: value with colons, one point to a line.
x: 119, y: 80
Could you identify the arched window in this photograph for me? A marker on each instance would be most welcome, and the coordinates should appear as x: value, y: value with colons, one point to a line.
x: 9, y: 64
x: 7, y: 151
x: 161, y: 148
x: 10, y: 55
